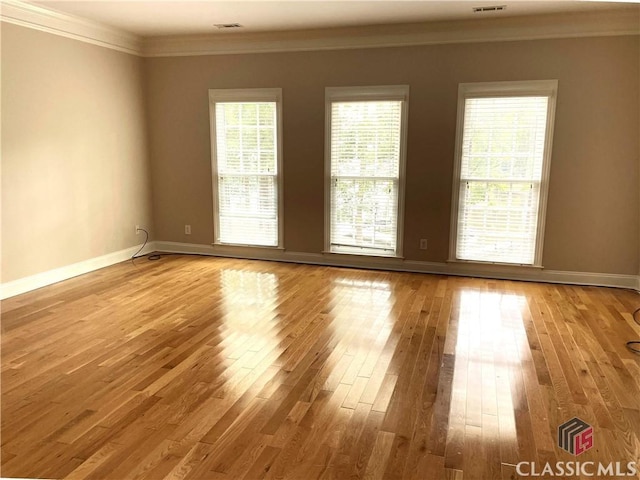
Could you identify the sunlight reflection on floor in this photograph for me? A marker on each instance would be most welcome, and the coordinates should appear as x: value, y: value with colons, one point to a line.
x: 490, y: 330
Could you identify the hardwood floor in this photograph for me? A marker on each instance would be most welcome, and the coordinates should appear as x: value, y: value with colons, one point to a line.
x: 210, y: 368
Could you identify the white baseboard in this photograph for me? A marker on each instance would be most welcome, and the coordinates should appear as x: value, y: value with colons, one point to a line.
x: 401, y: 265
x: 26, y: 284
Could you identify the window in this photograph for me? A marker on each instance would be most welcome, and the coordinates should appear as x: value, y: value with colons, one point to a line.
x: 246, y: 166
x: 365, y: 157
x: 503, y: 148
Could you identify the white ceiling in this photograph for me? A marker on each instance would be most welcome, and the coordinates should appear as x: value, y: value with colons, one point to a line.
x: 170, y: 17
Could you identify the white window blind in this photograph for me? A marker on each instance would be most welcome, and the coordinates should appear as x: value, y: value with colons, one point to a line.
x: 501, y: 170
x: 246, y: 136
x: 365, y: 174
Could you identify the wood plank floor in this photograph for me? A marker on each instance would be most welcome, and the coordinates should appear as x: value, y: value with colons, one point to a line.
x: 209, y: 368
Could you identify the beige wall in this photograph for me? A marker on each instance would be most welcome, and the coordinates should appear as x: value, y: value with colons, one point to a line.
x: 593, y: 211
x: 75, y: 173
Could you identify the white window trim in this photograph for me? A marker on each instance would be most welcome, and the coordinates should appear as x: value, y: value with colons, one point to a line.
x: 246, y: 95
x: 548, y: 88
x: 361, y: 94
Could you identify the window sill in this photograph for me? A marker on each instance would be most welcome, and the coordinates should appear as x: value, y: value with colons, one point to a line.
x: 236, y: 246
x: 363, y: 256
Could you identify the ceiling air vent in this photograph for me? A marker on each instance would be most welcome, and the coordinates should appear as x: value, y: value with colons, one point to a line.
x: 492, y: 8
x: 227, y: 25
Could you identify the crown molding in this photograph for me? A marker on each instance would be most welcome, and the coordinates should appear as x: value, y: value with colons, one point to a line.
x: 622, y: 21
x: 70, y: 26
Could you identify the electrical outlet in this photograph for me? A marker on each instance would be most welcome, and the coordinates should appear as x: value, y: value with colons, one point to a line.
x: 137, y: 229
x: 423, y: 244
x: 187, y: 229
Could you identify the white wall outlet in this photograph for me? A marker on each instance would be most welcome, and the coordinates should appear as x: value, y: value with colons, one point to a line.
x: 187, y: 229
x: 423, y: 244
x: 137, y: 229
